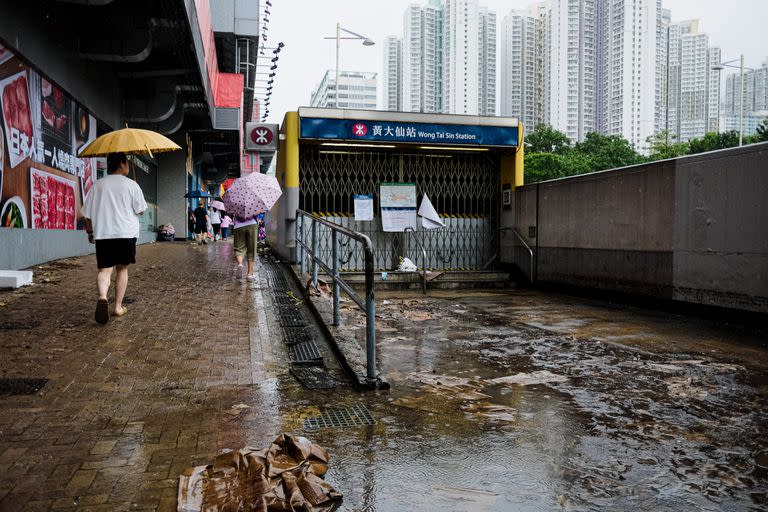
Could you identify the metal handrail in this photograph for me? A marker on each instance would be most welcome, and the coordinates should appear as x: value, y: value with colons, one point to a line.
x: 525, y: 244
x: 423, y: 261
x: 368, y: 306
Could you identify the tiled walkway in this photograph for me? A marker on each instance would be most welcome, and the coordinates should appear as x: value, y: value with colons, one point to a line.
x: 131, y: 404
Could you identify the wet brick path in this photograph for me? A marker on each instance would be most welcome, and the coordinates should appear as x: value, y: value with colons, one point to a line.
x: 131, y: 404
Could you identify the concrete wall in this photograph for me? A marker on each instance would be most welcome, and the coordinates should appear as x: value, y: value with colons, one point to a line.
x: 721, y: 229
x: 693, y: 229
x: 171, y: 186
x: 24, y: 248
x: 51, y: 47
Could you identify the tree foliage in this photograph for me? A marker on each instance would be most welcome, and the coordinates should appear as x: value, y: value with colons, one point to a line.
x: 607, y: 151
x: 550, y: 154
x: 762, y: 132
x: 712, y: 141
x: 545, y: 139
x: 665, y: 145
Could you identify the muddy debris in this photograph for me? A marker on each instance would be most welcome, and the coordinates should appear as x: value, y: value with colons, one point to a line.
x: 287, y: 476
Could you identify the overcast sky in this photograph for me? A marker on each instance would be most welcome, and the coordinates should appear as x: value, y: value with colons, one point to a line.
x: 735, y: 25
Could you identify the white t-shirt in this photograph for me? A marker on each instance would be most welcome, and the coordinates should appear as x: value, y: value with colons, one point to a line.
x: 214, y: 215
x: 113, y: 205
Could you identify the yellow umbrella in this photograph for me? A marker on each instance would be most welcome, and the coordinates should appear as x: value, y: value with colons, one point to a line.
x: 130, y: 141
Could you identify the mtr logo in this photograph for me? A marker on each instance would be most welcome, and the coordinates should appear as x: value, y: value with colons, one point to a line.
x: 261, y: 136
x: 359, y: 130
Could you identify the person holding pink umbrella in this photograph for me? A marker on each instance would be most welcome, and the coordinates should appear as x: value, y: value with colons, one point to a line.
x: 248, y: 197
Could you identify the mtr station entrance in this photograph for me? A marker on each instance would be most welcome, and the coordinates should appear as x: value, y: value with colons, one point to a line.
x: 467, y: 166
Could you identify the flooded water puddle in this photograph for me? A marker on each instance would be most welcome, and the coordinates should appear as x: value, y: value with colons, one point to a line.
x: 488, y: 412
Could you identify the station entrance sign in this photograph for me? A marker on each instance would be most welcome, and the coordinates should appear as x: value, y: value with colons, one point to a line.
x: 417, y: 133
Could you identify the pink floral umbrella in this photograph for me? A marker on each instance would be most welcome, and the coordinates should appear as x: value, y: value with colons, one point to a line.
x: 252, y: 194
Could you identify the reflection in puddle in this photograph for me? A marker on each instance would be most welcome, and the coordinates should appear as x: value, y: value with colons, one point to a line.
x: 488, y: 411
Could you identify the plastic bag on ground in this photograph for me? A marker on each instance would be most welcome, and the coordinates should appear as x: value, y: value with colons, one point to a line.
x: 286, y: 476
x: 406, y: 265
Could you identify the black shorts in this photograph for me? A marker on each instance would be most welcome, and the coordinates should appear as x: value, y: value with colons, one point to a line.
x: 216, y: 228
x: 200, y: 228
x: 115, y: 251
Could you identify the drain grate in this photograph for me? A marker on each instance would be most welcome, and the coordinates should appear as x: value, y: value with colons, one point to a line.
x: 305, y: 353
x: 286, y: 301
x: 21, y: 386
x: 356, y: 416
x: 295, y: 335
x: 290, y: 318
x: 314, y: 377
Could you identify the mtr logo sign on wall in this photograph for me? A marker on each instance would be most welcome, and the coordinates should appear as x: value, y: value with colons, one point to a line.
x: 261, y: 137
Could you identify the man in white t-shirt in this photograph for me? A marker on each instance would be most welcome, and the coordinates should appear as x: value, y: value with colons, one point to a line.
x: 111, y: 212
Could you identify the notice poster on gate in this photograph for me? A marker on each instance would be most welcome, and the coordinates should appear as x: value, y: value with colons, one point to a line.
x: 398, y: 206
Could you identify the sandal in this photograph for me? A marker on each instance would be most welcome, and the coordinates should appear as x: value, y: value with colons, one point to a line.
x: 102, y: 311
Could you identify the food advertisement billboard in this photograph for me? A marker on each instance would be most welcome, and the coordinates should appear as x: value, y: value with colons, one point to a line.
x: 42, y: 181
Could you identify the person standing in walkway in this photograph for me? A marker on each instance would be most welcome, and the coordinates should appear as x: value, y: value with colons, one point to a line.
x: 215, y: 217
x: 191, y: 223
x: 201, y: 223
x: 246, y: 237
x: 226, y: 222
x: 111, y: 210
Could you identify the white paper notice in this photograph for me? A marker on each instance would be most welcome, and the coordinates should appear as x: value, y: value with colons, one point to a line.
x: 363, y: 207
x: 396, y: 220
x: 430, y: 218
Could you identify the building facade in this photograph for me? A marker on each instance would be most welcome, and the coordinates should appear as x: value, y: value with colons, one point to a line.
x: 571, y: 74
x: 392, y: 76
x: 357, y: 89
x: 520, y: 38
x: 486, y: 95
x: 422, y: 62
x: 691, y: 99
x: 67, y: 84
x: 627, y: 68
x: 755, y: 99
x: 448, y: 59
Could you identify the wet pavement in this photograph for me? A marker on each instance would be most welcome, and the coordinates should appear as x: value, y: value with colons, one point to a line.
x: 505, y: 400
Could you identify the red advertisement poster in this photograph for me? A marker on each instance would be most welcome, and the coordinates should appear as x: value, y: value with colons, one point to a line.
x: 53, y: 201
x: 42, y: 180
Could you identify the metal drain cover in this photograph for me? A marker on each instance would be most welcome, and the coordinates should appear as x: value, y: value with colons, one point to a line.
x: 21, y: 386
x: 297, y: 335
x: 356, y: 416
x: 314, y: 377
x: 291, y: 317
x: 305, y: 353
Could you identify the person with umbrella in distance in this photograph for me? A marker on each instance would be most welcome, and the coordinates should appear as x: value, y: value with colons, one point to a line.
x: 112, y: 208
x: 248, y: 197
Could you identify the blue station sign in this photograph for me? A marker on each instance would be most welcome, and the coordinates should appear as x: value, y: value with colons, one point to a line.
x: 419, y: 133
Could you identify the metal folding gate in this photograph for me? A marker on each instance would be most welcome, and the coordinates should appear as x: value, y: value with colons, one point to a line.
x: 463, y: 187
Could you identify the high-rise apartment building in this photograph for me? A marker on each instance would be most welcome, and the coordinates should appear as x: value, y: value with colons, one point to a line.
x: 461, y: 50
x: 627, y: 69
x: 691, y: 98
x: 570, y: 80
x: 486, y: 94
x: 755, y: 92
x: 448, y: 58
x: 357, y: 90
x: 392, y: 76
x: 519, y: 97
x: 422, y: 58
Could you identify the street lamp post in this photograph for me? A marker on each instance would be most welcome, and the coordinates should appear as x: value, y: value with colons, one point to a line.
x: 366, y: 42
x: 719, y: 67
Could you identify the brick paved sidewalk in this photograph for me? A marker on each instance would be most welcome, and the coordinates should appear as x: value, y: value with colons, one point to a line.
x: 129, y: 405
